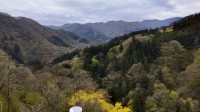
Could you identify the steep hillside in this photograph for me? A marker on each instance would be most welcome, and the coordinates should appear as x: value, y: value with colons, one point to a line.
x: 29, y: 42
x: 189, y: 23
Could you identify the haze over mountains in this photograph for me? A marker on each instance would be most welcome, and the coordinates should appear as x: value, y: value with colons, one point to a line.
x: 105, y: 31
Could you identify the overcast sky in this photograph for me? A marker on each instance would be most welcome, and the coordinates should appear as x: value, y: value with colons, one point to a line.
x: 58, y: 12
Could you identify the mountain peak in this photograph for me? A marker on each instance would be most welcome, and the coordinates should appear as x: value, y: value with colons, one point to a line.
x: 5, y: 14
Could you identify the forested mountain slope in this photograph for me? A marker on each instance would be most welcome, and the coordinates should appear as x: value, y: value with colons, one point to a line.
x: 149, y: 70
x: 189, y: 23
x: 28, y: 42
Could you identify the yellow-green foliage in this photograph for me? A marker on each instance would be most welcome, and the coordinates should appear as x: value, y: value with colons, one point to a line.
x: 174, y: 95
x: 173, y: 47
x: 111, y: 55
x: 3, y: 56
x: 119, y: 108
x: 149, y: 104
x: 193, y: 104
x: 3, y: 103
x: 115, y: 52
x: 95, y: 102
x: 15, y: 103
x: 169, y: 29
x: 94, y: 60
x: 174, y: 59
x: 142, y: 38
x: 161, y: 30
x: 119, y: 48
x: 31, y: 98
x: 164, y: 100
x: 168, y: 76
x: 5, y: 63
x: 160, y: 87
x: 197, y: 56
x: 194, y: 70
x: 76, y: 63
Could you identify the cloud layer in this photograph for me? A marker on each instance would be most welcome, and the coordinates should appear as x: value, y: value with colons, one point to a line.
x: 58, y: 12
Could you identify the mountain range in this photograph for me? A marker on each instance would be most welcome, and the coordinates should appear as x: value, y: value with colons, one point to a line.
x: 102, y: 32
x: 31, y: 43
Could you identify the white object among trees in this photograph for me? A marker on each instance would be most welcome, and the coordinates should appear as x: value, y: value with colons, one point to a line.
x: 75, y: 109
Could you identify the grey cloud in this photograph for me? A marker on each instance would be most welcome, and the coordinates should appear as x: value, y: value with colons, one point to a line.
x: 58, y: 12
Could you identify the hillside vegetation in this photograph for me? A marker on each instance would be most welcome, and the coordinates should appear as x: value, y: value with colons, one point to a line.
x: 144, y: 71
